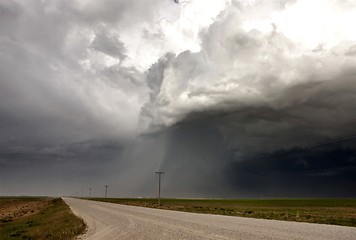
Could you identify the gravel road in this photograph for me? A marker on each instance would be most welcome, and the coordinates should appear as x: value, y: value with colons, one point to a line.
x: 112, y: 221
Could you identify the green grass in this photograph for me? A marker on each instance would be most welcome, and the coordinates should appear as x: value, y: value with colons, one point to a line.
x: 325, y: 211
x: 56, y: 221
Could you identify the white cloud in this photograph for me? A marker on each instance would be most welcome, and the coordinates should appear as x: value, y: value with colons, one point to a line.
x: 252, y: 52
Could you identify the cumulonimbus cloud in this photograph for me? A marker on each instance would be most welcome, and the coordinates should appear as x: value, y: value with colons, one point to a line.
x: 248, y: 60
x: 207, y: 87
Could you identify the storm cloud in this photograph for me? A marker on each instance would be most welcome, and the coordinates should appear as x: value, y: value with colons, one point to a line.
x: 230, y: 99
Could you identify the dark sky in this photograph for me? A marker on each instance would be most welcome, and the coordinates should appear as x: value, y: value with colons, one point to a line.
x: 232, y: 98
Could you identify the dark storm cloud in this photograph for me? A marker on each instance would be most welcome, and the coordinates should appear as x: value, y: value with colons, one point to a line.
x: 200, y: 162
x: 282, y: 148
x: 319, y: 171
x: 58, y: 168
x: 53, y: 92
x: 76, y: 90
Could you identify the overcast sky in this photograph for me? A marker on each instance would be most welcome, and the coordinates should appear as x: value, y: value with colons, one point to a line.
x: 230, y: 98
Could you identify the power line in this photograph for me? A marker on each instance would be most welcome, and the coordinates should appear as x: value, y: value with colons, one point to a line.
x: 159, y: 187
x: 318, y: 142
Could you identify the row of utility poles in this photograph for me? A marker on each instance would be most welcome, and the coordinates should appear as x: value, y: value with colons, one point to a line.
x: 159, y: 188
x: 106, y: 192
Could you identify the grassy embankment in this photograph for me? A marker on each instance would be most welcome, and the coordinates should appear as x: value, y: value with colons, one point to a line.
x: 37, y: 219
x: 325, y: 211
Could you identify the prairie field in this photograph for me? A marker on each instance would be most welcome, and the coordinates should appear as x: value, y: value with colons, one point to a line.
x: 37, y: 218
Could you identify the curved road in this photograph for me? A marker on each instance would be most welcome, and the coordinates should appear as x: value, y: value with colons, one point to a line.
x: 113, y: 221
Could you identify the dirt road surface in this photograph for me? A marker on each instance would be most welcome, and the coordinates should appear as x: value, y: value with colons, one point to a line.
x: 112, y: 221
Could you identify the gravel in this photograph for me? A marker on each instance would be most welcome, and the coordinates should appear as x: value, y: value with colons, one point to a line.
x: 113, y: 221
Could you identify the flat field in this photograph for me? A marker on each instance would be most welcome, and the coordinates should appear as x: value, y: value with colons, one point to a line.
x: 37, y: 218
x: 325, y: 211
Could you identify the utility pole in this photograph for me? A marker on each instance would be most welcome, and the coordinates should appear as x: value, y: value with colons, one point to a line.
x: 89, y: 192
x: 159, y: 187
x: 106, y: 190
